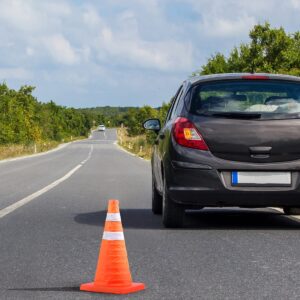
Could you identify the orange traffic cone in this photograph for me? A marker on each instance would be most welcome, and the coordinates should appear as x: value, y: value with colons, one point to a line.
x: 113, y: 273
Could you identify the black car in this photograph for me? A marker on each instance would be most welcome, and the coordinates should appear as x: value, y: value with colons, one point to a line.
x: 228, y: 140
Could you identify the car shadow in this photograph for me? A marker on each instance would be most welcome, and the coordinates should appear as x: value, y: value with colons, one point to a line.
x: 214, y: 219
x: 131, y: 218
x: 49, y: 289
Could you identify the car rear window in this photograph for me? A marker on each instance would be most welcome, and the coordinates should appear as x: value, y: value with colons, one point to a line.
x: 263, y: 99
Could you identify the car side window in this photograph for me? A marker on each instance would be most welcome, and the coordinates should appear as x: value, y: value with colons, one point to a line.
x: 174, y: 104
x: 174, y: 110
x: 182, y: 102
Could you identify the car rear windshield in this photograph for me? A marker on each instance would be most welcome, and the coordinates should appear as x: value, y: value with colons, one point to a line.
x: 257, y: 99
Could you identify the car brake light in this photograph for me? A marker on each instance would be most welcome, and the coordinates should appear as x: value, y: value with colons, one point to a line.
x: 186, y: 134
x: 255, y: 77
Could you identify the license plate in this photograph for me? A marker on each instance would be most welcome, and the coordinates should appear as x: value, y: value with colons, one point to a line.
x: 261, y: 178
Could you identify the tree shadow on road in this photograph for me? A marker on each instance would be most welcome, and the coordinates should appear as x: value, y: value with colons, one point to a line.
x: 214, y: 219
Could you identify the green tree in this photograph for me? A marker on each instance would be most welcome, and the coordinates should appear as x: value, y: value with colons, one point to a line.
x: 24, y: 120
x: 215, y: 64
x: 270, y: 50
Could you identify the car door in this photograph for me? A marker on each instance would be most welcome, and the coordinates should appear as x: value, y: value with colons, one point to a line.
x: 162, y: 140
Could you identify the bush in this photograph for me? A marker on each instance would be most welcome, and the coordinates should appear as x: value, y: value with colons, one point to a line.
x: 24, y: 120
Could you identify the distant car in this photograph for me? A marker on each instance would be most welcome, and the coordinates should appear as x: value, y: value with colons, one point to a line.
x: 228, y: 140
x: 101, y: 128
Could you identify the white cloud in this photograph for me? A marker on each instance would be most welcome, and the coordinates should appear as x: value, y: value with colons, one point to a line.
x: 163, y: 55
x: 29, y: 51
x: 57, y: 8
x: 123, y: 42
x: 33, y: 16
x: 85, y: 53
x: 60, y: 49
x: 91, y: 17
x: 295, y: 3
x: 14, y: 73
x: 218, y: 26
x: 18, y: 13
x: 114, y: 45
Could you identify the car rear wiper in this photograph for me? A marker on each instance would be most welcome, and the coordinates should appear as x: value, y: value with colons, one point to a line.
x: 237, y: 115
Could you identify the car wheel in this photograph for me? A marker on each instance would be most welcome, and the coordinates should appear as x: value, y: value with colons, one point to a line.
x: 291, y: 210
x: 156, y: 199
x: 173, y: 214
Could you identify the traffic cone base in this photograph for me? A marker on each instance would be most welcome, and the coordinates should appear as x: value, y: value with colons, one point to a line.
x: 95, y: 288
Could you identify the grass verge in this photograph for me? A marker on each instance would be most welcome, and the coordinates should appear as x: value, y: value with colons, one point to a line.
x: 15, y: 150
x: 137, y: 144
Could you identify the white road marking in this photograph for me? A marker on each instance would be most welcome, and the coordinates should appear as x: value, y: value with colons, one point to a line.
x: 132, y: 154
x: 89, y: 155
x: 105, y: 140
x: 7, y: 210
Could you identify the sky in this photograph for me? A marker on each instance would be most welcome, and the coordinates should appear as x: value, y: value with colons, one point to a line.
x: 85, y: 53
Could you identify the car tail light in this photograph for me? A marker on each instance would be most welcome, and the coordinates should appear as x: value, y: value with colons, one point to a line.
x: 186, y: 134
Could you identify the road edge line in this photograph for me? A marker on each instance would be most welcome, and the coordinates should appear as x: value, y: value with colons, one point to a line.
x: 9, y: 209
x: 130, y: 153
x: 59, y: 147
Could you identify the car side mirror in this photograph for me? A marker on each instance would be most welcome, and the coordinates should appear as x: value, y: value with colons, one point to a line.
x: 152, y: 124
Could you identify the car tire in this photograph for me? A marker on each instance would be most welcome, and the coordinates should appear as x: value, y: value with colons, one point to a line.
x: 156, y: 199
x: 291, y: 210
x: 173, y: 214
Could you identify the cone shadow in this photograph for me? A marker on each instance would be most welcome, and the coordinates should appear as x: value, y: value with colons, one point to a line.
x: 206, y: 219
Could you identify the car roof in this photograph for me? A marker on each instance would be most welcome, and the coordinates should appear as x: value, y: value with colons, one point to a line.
x: 235, y: 76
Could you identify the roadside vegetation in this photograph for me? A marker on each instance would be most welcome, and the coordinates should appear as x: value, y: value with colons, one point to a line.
x: 133, y: 137
x: 14, y: 150
x: 29, y: 126
x: 135, y: 144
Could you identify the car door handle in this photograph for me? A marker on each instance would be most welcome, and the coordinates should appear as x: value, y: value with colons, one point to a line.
x: 260, y: 150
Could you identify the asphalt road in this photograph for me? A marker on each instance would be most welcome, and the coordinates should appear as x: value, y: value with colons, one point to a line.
x: 49, y: 246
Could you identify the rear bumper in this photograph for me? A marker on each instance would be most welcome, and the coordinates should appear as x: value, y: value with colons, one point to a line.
x: 217, y: 198
x: 209, y: 185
